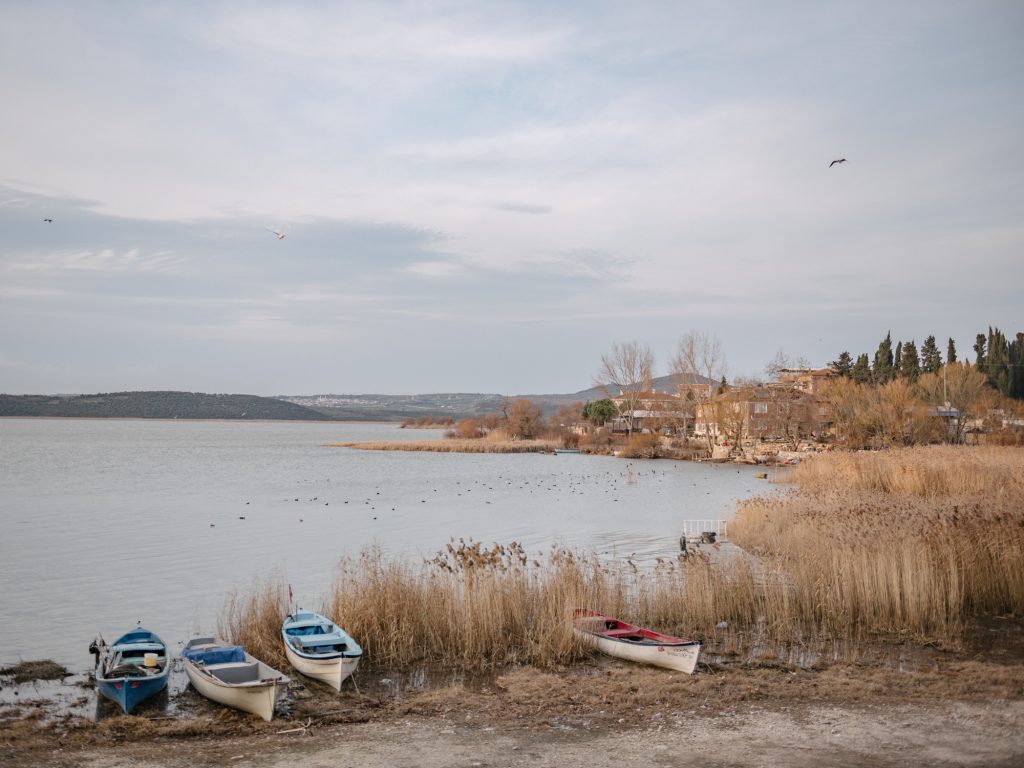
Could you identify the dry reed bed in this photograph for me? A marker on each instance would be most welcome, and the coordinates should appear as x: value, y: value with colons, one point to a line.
x: 928, y: 471
x: 843, y: 559
x: 456, y: 446
x: 908, y: 542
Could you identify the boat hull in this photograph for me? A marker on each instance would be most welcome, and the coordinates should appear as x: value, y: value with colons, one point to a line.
x: 318, y: 648
x: 248, y: 685
x: 122, y: 673
x: 256, y: 698
x: 128, y: 693
x: 331, y: 671
x: 681, y: 658
x: 634, y: 643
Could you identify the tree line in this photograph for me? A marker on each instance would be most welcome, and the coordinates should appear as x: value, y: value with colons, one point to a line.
x: 999, y: 359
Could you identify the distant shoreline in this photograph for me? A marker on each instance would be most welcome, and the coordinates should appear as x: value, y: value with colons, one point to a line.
x: 195, y: 419
x: 453, y: 446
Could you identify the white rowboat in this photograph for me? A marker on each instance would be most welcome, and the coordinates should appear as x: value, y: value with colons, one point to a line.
x: 228, y: 675
x: 319, y: 648
x: 633, y: 643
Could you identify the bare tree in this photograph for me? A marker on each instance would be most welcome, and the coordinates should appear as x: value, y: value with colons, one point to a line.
x: 783, y: 362
x: 625, y: 375
x: 956, y: 391
x: 700, y: 363
x: 732, y: 413
x: 524, y: 419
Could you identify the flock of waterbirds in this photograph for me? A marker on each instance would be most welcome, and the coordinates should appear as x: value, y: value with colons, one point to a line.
x: 613, y: 482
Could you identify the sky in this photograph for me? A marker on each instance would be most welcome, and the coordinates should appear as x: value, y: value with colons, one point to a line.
x: 486, y: 196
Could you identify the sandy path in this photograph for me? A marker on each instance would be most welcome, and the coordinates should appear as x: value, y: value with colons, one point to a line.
x: 950, y: 734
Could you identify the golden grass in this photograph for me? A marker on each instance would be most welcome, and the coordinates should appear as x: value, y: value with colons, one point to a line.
x: 455, y: 445
x: 908, y: 542
x: 936, y: 470
x: 254, y: 619
x: 855, y: 553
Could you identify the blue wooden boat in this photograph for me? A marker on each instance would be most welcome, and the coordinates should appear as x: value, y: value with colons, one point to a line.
x: 319, y: 648
x: 132, y: 668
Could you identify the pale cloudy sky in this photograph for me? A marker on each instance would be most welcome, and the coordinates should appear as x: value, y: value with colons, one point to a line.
x: 484, y: 196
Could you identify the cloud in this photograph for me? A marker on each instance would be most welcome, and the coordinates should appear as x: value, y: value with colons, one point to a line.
x: 100, y: 260
x: 392, y: 34
x: 535, y: 210
x: 435, y: 270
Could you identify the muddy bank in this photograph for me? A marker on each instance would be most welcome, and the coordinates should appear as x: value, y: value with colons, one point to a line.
x: 948, y: 710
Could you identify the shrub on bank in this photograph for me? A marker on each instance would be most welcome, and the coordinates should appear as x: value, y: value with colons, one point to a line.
x: 642, y: 446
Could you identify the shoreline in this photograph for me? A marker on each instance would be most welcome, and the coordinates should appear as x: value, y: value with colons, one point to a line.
x: 729, y: 708
x: 197, y: 420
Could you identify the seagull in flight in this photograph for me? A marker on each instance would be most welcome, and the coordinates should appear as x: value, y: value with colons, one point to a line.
x: 840, y: 160
x: 278, y: 233
x: 48, y: 221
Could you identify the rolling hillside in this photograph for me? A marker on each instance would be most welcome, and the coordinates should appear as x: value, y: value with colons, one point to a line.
x: 158, y: 405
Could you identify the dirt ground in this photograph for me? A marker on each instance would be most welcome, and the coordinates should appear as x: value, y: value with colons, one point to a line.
x: 953, y: 713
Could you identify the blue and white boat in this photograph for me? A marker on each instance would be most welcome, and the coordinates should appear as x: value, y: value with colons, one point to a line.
x: 132, y: 668
x: 319, y: 648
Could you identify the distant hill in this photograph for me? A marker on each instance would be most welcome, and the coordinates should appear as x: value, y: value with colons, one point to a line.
x: 659, y: 383
x: 458, y: 405
x: 198, y: 405
x: 159, y: 405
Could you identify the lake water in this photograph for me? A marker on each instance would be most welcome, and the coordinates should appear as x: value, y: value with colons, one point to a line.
x: 107, y: 522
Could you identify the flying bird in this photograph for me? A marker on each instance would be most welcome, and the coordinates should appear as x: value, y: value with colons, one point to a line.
x: 840, y: 160
x: 48, y: 221
x: 278, y: 233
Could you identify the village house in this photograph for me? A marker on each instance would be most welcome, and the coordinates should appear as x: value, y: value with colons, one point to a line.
x: 776, y: 412
x: 650, y: 411
x: 809, y: 380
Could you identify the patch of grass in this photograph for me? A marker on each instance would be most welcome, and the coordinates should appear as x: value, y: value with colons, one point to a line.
x: 27, y: 671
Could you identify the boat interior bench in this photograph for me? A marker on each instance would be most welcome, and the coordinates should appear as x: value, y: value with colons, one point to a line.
x: 236, y: 672
x: 315, y: 641
x: 621, y: 633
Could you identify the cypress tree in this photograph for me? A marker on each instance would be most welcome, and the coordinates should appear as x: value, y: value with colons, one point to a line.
x: 843, y: 366
x: 861, y: 371
x: 897, y: 361
x: 997, y: 361
x: 910, y: 365
x: 951, y: 351
x: 931, y: 358
x: 881, y: 371
x: 1017, y: 367
x: 979, y: 348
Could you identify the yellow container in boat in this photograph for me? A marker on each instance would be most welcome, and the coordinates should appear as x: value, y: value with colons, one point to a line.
x: 149, y: 660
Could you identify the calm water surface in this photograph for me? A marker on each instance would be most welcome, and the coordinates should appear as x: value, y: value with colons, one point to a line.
x: 106, y: 522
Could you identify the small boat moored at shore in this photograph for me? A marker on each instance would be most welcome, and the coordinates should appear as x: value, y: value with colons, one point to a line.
x: 319, y: 648
x: 132, y: 668
x: 226, y: 674
x: 633, y: 643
